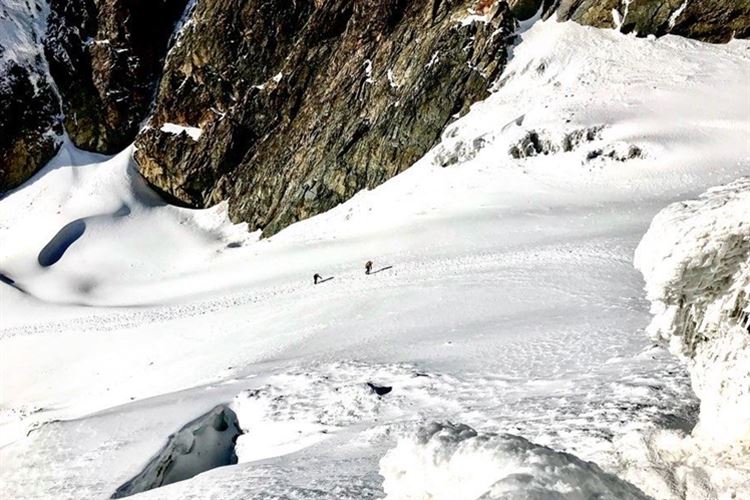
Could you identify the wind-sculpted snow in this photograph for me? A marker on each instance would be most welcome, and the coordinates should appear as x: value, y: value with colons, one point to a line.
x: 696, y: 262
x: 201, y: 445
x: 455, y: 462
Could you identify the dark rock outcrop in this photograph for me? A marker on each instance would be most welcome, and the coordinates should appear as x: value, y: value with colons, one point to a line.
x: 300, y: 104
x: 303, y: 104
x: 30, y: 120
x: 708, y: 20
x: 526, y: 9
x: 30, y: 124
x: 106, y: 57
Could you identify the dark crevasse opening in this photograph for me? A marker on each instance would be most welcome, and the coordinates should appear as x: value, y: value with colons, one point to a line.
x: 203, y: 444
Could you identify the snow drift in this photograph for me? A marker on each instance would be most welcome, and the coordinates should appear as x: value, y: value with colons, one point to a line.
x: 453, y: 461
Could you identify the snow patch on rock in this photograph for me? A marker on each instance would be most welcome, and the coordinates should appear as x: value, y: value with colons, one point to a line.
x: 677, y: 13
x: 173, y: 128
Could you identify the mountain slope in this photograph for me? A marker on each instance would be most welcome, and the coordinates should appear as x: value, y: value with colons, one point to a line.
x: 511, y: 305
x: 288, y: 110
x: 338, y: 97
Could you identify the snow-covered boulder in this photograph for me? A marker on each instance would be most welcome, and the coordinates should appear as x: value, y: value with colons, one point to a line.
x: 695, y: 259
x: 453, y: 461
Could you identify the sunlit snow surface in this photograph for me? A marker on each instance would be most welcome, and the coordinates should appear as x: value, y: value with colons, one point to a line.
x: 511, y: 305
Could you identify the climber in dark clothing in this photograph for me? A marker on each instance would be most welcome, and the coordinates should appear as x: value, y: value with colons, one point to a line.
x: 368, y: 267
x: 316, y: 278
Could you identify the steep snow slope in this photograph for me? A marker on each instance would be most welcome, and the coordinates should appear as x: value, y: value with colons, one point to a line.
x: 504, y: 297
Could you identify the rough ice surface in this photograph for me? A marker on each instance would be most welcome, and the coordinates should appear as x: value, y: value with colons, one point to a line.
x: 511, y: 304
x: 455, y: 462
x: 695, y: 259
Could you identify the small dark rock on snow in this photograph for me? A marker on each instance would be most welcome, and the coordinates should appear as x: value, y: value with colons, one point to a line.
x: 380, y: 390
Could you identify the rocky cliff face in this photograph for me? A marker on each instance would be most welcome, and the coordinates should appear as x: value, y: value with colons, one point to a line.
x: 30, y: 120
x: 343, y: 95
x: 106, y: 57
x: 302, y: 105
x: 707, y: 20
x: 93, y: 64
x: 31, y: 125
x: 287, y: 108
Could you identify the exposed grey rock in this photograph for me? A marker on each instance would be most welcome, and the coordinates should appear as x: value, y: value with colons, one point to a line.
x: 106, y: 57
x: 30, y: 128
x: 380, y: 390
x: 707, y: 20
x: 459, y: 151
x: 616, y: 152
x: 539, y: 142
x: 337, y: 96
x: 29, y: 124
x: 203, y: 444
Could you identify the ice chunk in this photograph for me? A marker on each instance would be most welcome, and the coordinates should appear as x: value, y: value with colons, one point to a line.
x: 695, y: 259
x: 453, y: 461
